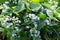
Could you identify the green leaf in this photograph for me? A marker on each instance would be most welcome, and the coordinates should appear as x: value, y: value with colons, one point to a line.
x: 57, y: 15
x: 1, y: 29
x: 34, y: 6
x: 37, y: 1
x: 2, y: 1
x: 47, y: 5
x: 42, y: 16
x: 58, y: 9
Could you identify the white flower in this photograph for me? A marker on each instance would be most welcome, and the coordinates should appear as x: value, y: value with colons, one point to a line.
x: 47, y: 21
x: 49, y: 13
x: 6, y: 2
x: 30, y: 15
x: 1, y: 7
x: 27, y: 26
x: 36, y: 34
x: 35, y: 24
x: 7, y: 19
x: 59, y: 15
x: 52, y: 7
x: 13, y: 17
x: 10, y: 14
x: 18, y: 21
x: 13, y: 35
x: 33, y: 30
x: 5, y: 6
x: 3, y: 24
x: 16, y: 28
x: 8, y: 25
x: 11, y: 23
x: 4, y: 10
x: 38, y: 18
x: 17, y: 18
x: 33, y: 16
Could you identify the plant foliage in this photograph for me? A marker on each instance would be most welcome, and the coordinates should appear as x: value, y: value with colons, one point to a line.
x: 30, y: 19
